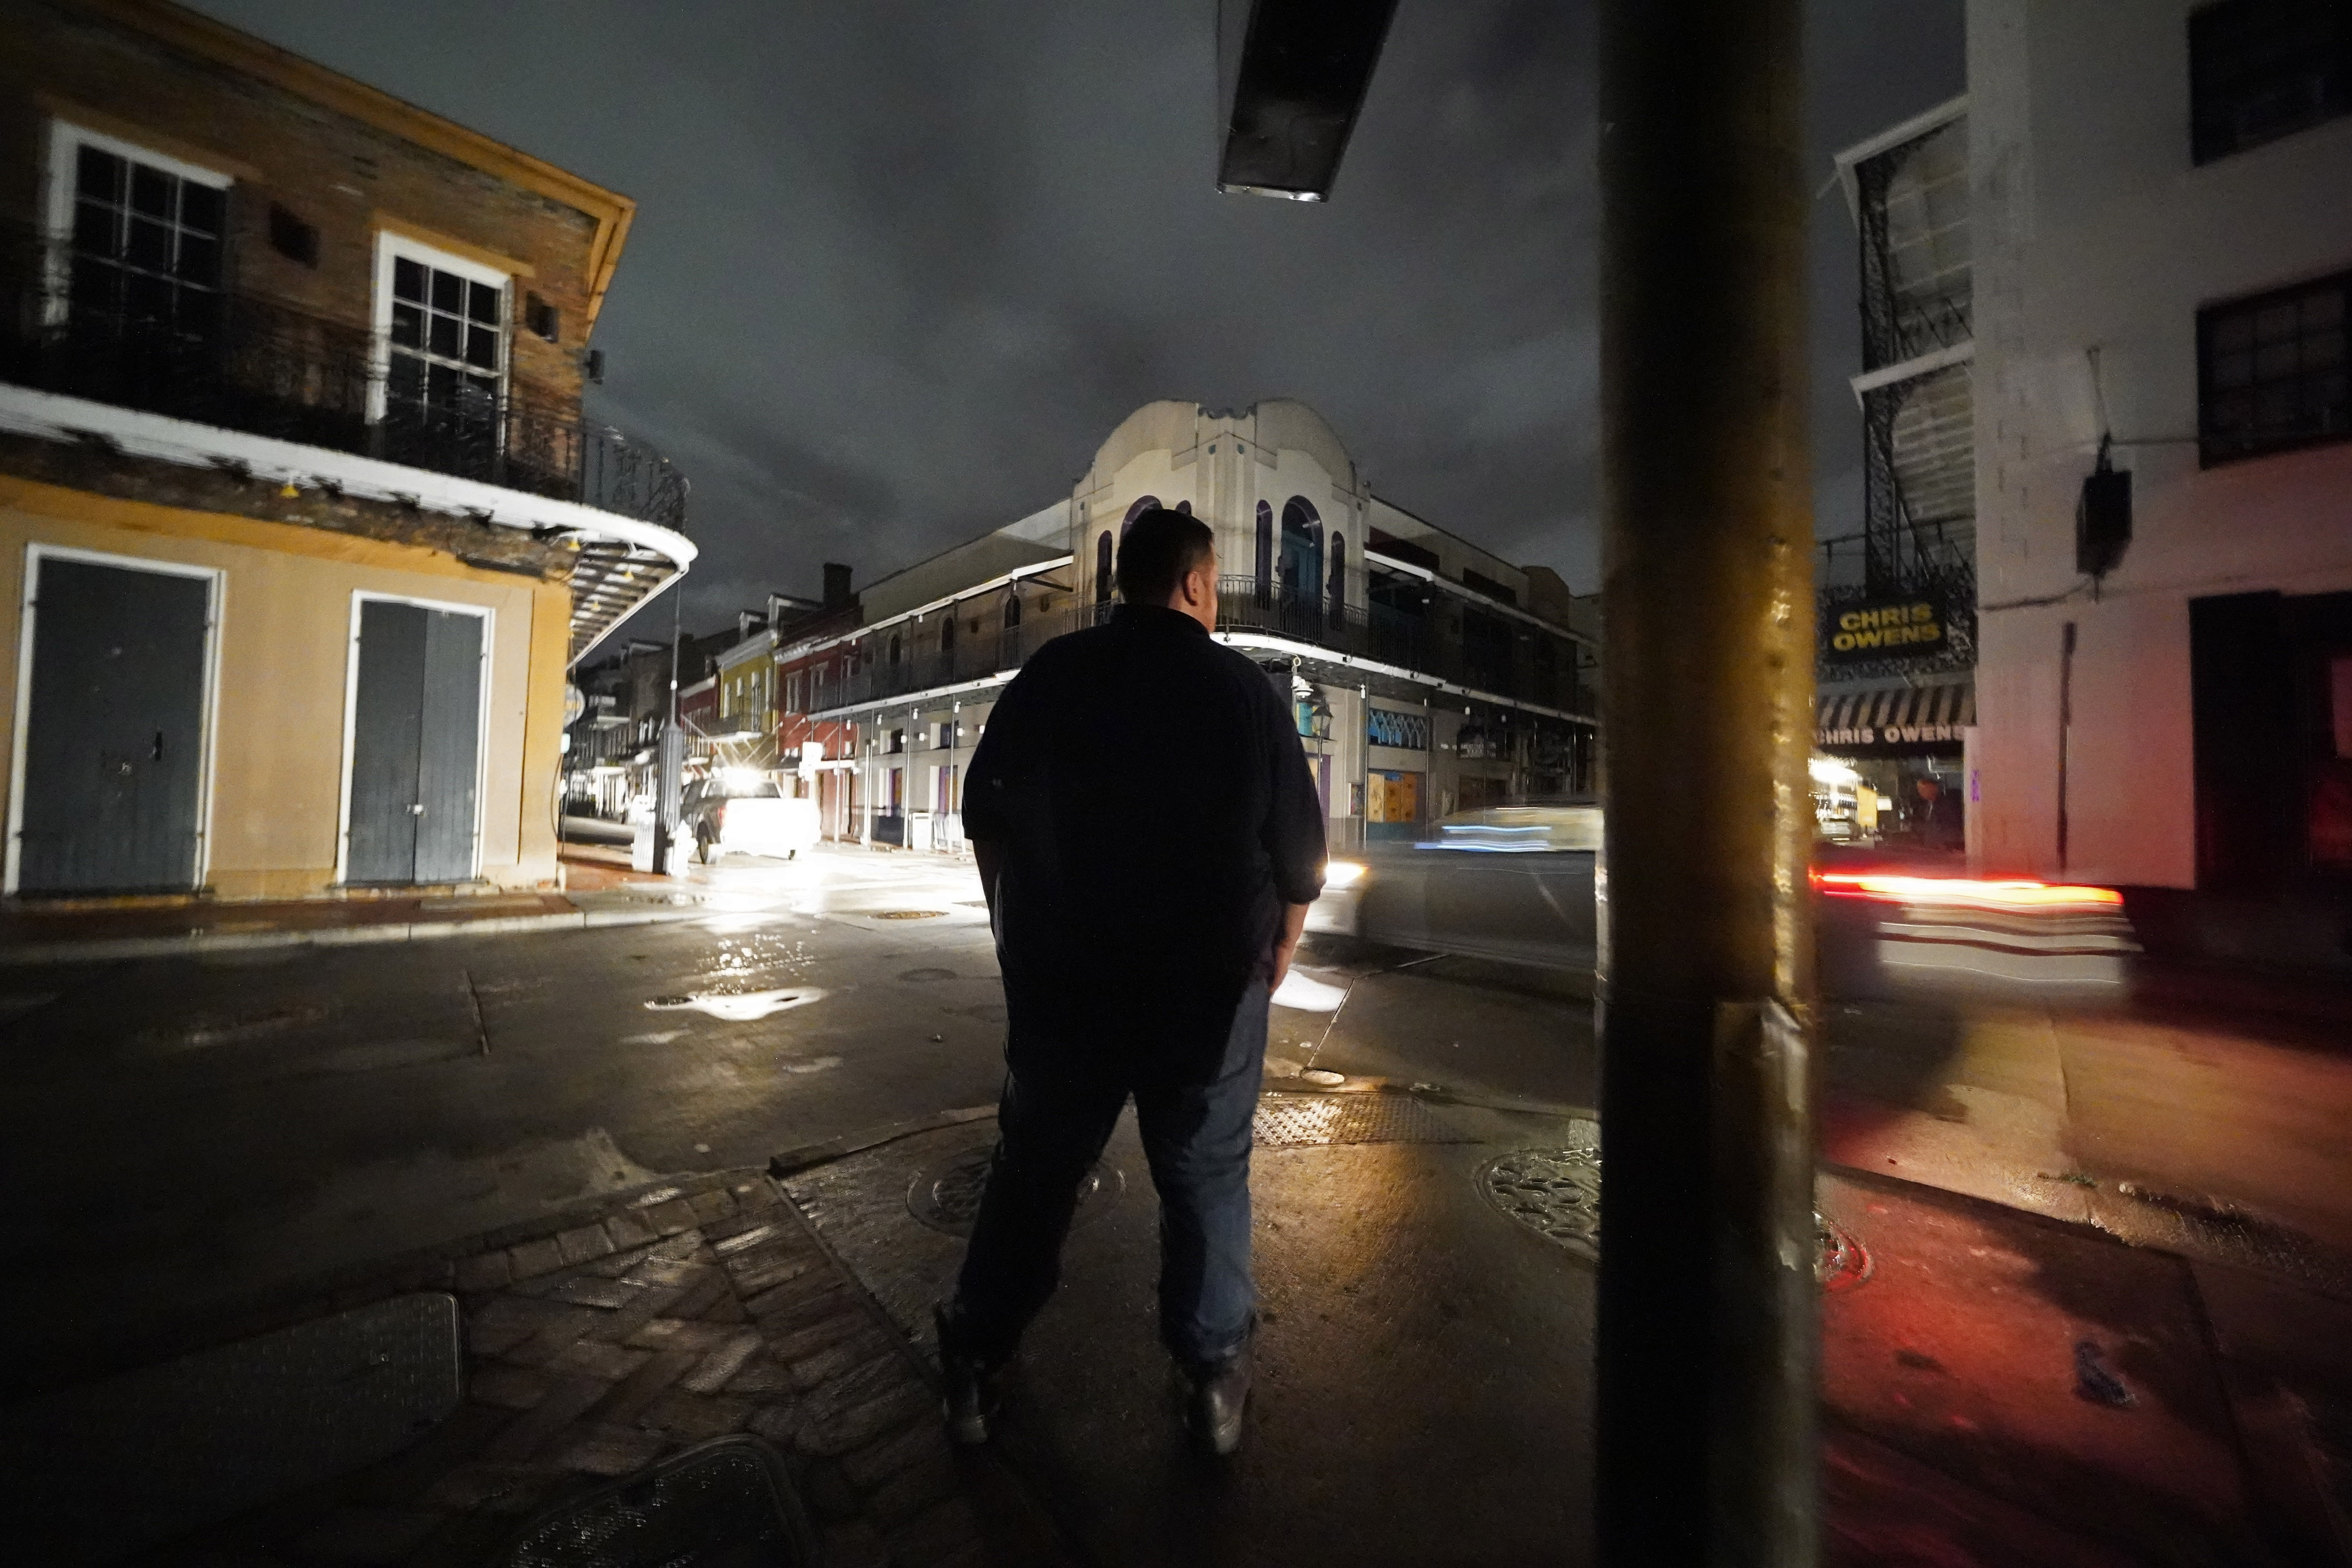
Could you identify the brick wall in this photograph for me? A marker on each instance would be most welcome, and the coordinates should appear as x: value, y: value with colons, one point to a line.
x: 344, y: 176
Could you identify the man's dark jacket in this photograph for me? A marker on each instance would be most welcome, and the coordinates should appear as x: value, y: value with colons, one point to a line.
x: 1154, y: 808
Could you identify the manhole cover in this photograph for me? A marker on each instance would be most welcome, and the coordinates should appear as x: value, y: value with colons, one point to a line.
x: 1308, y: 1121
x: 1841, y: 1263
x: 907, y: 914
x: 1556, y: 1192
x: 945, y: 1194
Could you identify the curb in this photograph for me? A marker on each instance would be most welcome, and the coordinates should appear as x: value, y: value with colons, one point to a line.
x: 790, y: 1162
x: 99, y: 949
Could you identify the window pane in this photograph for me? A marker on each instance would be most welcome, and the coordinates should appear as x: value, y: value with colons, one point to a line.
x: 440, y: 386
x: 408, y: 280
x: 2275, y: 321
x: 99, y: 175
x: 483, y: 306
x: 406, y: 380
x: 407, y: 326
x: 482, y: 347
x: 2233, y: 370
x: 151, y: 245
x: 94, y: 229
x: 151, y: 191
x: 441, y: 336
x: 146, y: 298
x: 2232, y: 333
x: 200, y: 207
x: 96, y: 287
x: 200, y: 313
x: 448, y: 293
x: 199, y: 260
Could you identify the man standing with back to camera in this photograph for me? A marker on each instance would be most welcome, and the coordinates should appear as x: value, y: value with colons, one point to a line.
x: 1148, y: 838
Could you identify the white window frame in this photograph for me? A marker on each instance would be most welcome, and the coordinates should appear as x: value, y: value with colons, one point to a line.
x: 362, y: 597
x: 65, y: 141
x: 217, y: 592
x: 391, y: 247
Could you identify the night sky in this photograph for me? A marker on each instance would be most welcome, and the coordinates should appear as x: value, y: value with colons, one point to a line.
x: 899, y: 267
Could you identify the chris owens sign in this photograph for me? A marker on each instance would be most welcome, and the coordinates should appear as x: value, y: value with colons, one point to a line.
x: 1906, y: 629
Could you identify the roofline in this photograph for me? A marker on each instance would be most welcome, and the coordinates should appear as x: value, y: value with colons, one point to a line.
x: 216, y: 41
x: 1464, y: 591
x: 818, y: 644
x: 951, y: 550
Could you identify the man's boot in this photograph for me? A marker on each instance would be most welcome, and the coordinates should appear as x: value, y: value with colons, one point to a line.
x: 971, y: 1396
x: 1216, y: 1393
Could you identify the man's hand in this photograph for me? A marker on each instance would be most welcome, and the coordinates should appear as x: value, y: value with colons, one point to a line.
x: 991, y: 859
x: 1286, y: 941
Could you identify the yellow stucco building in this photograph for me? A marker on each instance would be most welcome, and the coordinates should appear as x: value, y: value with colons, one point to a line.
x: 300, y: 528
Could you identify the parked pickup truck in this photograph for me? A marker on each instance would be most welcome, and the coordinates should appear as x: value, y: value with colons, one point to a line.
x: 746, y: 816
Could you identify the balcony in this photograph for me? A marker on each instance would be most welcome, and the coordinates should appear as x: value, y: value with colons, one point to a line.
x: 1507, y: 665
x: 252, y: 365
x: 1500, y: 655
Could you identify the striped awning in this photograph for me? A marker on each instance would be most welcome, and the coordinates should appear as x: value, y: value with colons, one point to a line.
x: 1926, y: 717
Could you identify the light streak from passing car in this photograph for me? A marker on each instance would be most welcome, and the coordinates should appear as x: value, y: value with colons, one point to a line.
x: 1965, y: 892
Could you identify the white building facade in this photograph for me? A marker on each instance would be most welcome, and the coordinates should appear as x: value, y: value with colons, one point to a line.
x: 2162, y: 201
x: 1426, y: 675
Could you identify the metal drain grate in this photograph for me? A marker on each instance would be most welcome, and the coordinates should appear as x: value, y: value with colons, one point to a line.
x: 907, y: 914
x: 1308, y: 1121
x: 726, y: 1502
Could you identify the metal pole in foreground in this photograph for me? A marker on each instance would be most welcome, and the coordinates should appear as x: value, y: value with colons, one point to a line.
x: 1708, y: 1324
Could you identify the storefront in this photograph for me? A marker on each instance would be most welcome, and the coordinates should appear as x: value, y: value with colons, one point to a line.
x: 1889, y: 765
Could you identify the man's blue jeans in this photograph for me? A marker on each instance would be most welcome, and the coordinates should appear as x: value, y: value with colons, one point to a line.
x: 1051, y: 1129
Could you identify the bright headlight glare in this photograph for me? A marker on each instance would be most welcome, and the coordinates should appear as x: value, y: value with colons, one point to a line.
x: 1341, y: 874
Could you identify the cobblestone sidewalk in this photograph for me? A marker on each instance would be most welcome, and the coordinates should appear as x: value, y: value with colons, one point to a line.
x: 596, y: 1348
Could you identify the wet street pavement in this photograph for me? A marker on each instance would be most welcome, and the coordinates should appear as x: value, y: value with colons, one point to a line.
x: 2006, y: 1380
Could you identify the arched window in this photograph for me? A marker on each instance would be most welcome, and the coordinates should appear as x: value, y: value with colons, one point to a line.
x: 1338, y: 578
x: 1265, y: 549
x: 894, y: 650
x: 946, y: 633
x: 1300, y: 569
x: 1104, y: 580
x: 1012, y: 608
x: 1142, y: 505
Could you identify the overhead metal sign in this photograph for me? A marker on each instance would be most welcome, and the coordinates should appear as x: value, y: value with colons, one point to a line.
x: 1293, y: 76
x: 1865, y: 630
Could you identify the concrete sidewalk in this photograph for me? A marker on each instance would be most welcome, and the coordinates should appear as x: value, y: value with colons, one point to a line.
x: 81, y: 932
x: 1999, y: 1388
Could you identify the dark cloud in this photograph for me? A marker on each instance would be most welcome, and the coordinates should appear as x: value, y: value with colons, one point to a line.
x: 898, y: 268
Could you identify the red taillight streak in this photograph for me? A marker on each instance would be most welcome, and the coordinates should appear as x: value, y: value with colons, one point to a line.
x: 1963, y: 892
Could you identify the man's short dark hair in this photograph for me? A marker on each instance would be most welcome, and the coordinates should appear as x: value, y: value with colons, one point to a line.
x: 1159, y: 551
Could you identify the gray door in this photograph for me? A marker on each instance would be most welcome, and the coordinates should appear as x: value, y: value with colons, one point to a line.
x: 114, y: 735
x: 414, y: 744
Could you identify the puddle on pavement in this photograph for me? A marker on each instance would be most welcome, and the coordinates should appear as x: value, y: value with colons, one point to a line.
x: 1303, y: 993
x: 741, y: 1006
x: 227, y: 1028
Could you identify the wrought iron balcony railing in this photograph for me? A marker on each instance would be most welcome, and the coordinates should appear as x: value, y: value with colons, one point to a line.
x: 902, y: 660
x: 254, y: 365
